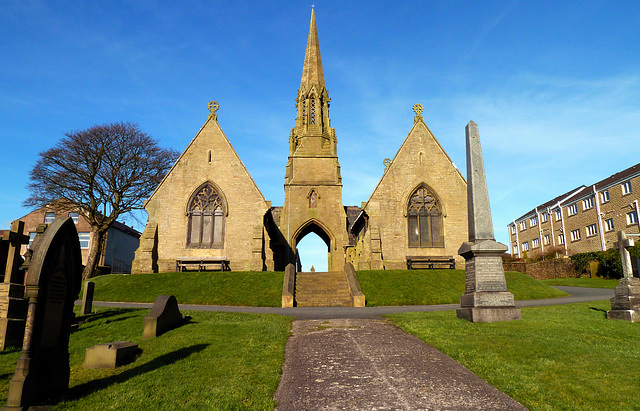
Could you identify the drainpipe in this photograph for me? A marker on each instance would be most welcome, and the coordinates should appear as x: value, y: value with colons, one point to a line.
x: 540, y: 231
x: 564, y: 235
x: 635, y: 205
x: 603, y: 245
x: 517, y: 238
x: 553, y: 234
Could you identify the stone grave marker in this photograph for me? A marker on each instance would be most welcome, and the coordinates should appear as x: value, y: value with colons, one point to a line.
x: 87, y: 298
x: 13, y: 305
x: 52, y: 285
x: 164, y: 316
x: 625, y: 305
x: 485, y: 298
x: 110, y: 355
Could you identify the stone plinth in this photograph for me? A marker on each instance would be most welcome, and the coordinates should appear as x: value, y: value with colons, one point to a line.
x: 110, y: 355
x: 625, y: 305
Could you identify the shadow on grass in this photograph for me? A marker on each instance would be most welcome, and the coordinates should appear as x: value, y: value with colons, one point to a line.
x: 604, y: 312
x: 104, y: 314
x: 90, y: 387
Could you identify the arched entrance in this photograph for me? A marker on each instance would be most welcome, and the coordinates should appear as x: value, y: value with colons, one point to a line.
x: 313, y: 244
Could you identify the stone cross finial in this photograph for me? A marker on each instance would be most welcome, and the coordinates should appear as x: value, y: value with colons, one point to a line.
x: 622, y: 244
x: 213, y: 106
x: 417, y: 108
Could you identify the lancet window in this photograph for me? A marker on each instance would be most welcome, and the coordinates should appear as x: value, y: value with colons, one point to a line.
x: 206, y: 213
x: 424, y: 217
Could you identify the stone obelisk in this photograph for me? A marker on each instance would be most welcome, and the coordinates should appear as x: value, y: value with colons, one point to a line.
x: 625, y: 305
x: 485, y: 298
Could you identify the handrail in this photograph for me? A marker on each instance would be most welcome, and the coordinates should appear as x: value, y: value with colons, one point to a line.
x: 354, y: 285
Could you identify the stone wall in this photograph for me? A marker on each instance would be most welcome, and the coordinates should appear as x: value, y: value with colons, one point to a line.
x: 542, y: 270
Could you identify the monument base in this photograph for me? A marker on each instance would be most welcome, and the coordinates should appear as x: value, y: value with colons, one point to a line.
x: 632, y: 316
x: 488, y: 314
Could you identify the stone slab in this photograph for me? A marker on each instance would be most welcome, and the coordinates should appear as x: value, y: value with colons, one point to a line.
x: 374, y: 365
x: 487, y: 299
x: 110, y: 355
x: 489, y: 314
x: 625, y: 315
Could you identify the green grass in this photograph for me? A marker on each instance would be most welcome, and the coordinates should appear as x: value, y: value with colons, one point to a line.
x: 217, y: 361
x: 245, y: 288
x: 582, y: 282
x: 567, y: 357
x: 426, y: 287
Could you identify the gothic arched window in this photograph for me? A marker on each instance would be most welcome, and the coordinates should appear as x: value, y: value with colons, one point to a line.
x: 424, y: 217
x: 206, y: 214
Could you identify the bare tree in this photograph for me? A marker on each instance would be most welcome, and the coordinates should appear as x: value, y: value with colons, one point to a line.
x: 102, y: 172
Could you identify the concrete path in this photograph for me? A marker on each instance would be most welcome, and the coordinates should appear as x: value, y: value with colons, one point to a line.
x: 355, y: 364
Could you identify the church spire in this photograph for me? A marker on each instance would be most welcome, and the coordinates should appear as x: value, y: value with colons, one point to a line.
x: 312, y: 72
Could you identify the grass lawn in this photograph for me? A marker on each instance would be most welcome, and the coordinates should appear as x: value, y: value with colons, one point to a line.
x: 426, y: 287
x: 264, y: 288
x: 583, y: 282
x: 246, y: 288
x: 217, y: 361
x: 567, y: 357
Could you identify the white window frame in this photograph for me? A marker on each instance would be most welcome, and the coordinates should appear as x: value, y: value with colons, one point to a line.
x: 75, y: 217
x: 85, y: 240
x: 559, y: 214
x: 605, y: 196
x: 632, y: 217
x: 587, y: 203
x: 591, y: 230
x: 626, y: 188
x: 533, y: 221
x: 544, y: 216
x: 515, y: 250
x: 513, y: 229
x: 535, y: 243
x: 525, y: 246
x: 49, y: 217
x: 609, y: 225
x: 561, y: 239
x: 572, y: 209
x: 575, y: 234
x: 547, y: 239
x: 523, y: 225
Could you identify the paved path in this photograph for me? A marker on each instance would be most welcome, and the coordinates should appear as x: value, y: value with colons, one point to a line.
x: 357, y: 364
x: 578, y: 294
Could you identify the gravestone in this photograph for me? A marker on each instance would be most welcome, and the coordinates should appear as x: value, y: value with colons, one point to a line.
x: 13, y: 305
x: 164, y: 316
x: 52, y: 285
x: 110, y: 355
x: 625, y: 305
x: 485, y: 298
x: 87, y: 298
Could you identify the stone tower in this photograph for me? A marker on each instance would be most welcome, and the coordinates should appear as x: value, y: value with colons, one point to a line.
x: 313, y: 186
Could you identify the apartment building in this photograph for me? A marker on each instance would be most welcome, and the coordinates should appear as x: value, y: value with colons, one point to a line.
x: 586, y: 218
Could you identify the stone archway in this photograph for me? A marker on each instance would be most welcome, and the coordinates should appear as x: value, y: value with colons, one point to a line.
x: 316, y: 227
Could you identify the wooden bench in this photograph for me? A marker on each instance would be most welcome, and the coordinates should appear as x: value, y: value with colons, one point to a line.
x: 416, y: 262
x: 201, y: 263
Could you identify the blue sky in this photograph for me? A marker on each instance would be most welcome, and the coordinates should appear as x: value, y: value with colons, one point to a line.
x: 553, y: 86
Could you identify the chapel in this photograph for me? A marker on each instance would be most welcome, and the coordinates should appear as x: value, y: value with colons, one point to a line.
x: 208, y: 209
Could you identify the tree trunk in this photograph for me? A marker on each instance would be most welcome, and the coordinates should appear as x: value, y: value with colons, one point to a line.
x: 95, y: 252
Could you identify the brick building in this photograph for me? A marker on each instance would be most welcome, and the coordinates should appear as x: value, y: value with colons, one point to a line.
x: 583, y: 219
x: 120, y: 244
x: 209, y: 209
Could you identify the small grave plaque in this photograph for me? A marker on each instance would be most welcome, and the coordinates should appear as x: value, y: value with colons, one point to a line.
x: 87, y: 298
x: 110, y: 355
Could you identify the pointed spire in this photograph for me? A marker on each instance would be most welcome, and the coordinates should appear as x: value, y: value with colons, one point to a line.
x: 312, y: 72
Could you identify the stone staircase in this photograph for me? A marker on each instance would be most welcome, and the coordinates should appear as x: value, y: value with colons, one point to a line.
x: 322, y: 289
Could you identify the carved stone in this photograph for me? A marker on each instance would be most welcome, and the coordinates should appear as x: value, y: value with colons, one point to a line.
x: 485, y: 298
x: 625, y: 305
x: 52, y: 286
x: 110, y: 355
x: 87, y: 298
x: 164, y: 316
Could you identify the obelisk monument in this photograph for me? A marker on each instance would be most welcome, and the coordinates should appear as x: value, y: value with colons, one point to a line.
x: 485, y: 298
x: 625, y: 305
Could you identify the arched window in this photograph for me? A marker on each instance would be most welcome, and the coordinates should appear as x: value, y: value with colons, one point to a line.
x: 206, y: 213
x: 424, y: 217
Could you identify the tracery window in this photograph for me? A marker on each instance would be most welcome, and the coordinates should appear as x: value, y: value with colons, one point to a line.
x: 206, y: 214
x: 424, y: 217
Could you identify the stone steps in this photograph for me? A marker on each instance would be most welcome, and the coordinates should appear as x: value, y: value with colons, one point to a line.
x: 322, y: 289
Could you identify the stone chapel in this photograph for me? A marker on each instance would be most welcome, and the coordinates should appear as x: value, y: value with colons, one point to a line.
x: 209, y: 209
